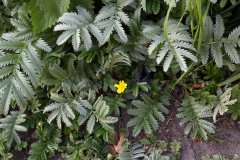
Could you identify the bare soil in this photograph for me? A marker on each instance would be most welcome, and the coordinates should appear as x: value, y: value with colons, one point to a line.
x: 227, y: 142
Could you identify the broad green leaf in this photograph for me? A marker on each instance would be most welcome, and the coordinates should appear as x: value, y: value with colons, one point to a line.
x: 45, y: 13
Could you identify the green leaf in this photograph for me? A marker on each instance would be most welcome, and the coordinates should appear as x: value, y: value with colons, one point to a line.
x: 5, y: 71
x: 88, y: 4
x: 21, y: 100
x: 145, y: 114
x: 66, y: 35
x: 123, y: 3
x: 58, y: 98
x: 108, y: 31
x: 79, y: 26
x: 84, y: 54
x: 30, y: 70
x: 217, y: 54
x: 11, y: 45
x: 48, y: 139
x: 24, y: 85
x: 8, y: 59
x: 134, y: 152
x: 80, y: 109
x: 34, y: 57
x: 86, y: 37
x: 43, y: 45
x: 90, y: 57
x: 223, y: 3
x: 10, y: 124
x: 120, y: 31
x: 86, y: 104
x: 232, y: 52
x: 214, y: 41
x: 193, y: 112
x: 91, y: 123
x: 175, y: 146
x: 5, y: 99
x: 171, y: 42
x: 58, y: 72
x: 45, y: 13
x: 223, y: 102
x: 218, y: 28
x: 38, y: 151
x: 156, y: 6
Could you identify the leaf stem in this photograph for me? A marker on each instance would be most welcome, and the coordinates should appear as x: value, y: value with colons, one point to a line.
x: 199, y: 45
x: 165, y: 26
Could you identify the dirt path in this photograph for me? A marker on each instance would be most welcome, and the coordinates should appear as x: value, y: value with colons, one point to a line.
x: 226, y: 130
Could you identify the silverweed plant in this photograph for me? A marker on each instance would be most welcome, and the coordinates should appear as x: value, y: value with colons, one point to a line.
x: 73, y: 71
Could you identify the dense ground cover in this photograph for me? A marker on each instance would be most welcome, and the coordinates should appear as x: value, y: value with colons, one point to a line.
x: 111, y: 79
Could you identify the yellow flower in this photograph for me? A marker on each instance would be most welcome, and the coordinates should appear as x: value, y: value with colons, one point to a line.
x: 121, y: 86
x: 39, y: 124
x: 109, y: 156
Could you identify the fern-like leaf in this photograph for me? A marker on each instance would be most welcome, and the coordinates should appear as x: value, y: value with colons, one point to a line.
x: 109, y: 18
x: 20, y: 65
x: 10, y: 124
x: 135, y: 46
x: 78, y: 25
x: 214, y: 41
x: 62, y: 110
x: 115, y: 104
x: 133, y: 152
x: 223, y: 102
x: 117, y: 58
x: 193, y: 112
x: 178, y: 45
x: 49, y: 138
x: 146, y: 114
x: 156, y: 155
x: 101, y: 111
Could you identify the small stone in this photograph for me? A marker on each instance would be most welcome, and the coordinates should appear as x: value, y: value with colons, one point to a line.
x: 176, y: 104
x: 159, y: 131
x: 145, y: 147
